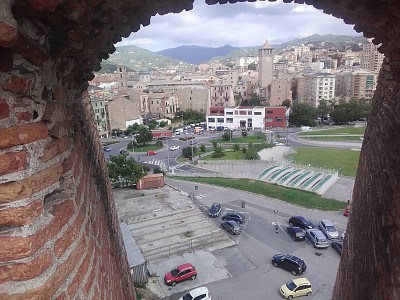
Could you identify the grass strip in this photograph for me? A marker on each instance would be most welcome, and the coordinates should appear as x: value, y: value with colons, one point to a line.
x: 293, y: 196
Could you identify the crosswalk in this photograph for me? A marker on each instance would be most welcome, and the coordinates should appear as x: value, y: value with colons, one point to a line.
x: 154, y: 162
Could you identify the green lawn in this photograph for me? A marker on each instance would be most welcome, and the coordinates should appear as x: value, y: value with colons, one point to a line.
x: 147, y: 147
x: 300, y: 198
x: 334, y: 131
x: 229, y: 155
x: 336, y: 138
x: 240, y: 140
x: 345, y: 161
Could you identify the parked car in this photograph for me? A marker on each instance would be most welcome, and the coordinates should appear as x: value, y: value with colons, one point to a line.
x: 214, y: 210
x: 295, y: 288
x: 173, y: 148
x: 296, y: 233
x: 180, y: 273
x: 234, y: 216
x: 192, y: 142
x: 123, y: 151
x: 337, y: 246
x: 327, y: 228
x: 278, y: 144
x: 107, y: 149
x: 347, y: 211
x: 301, y: 222
x: 317, y: 238
x: 290, y: 263
x: 200, y: 293
x: 232, y: 227
x: 151, y: 152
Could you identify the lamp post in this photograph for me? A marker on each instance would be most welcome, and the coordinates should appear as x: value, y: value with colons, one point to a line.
x: 168, y: 154
x: 276, y: 223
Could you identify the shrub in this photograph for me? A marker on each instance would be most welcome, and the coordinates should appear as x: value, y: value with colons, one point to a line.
x: 159, y: 143
x: 203, y: 148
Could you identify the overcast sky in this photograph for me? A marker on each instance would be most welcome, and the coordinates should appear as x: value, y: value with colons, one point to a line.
x: 239, y: 24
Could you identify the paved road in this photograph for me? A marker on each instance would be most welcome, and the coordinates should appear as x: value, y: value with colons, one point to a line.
x: 249, y: 263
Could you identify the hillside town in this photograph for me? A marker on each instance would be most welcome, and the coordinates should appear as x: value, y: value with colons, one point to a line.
x: 256, y: 92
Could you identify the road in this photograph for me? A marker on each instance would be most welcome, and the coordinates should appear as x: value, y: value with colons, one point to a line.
x: 249, y: 264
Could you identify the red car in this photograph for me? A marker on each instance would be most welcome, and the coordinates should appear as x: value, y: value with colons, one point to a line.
x: 180, y: 273
x: 347, y: 211
x: 151, y: 152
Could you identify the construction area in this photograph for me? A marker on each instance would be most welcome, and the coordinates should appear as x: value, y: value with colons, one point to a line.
x: 170, y: 229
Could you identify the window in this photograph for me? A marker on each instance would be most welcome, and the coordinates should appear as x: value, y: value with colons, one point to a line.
x: 270, y: 112
x: 268, y: 119
x: 278, y: 119
x: 257, y: 113
x: 229, y: 120
x: 220, y: 120
x: 212, y: 120
x: 229, y: 113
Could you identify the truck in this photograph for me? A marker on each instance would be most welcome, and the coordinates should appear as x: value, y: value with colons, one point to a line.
x: 161, y: 134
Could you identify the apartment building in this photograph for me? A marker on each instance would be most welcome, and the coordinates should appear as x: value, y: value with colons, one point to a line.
x: 280, y: 91
x: 322, y: 88
x: 363, y: 84
x: 123, y: 109
x: 99, y: 114
x: 246, y: 117
x: 221, y: 95
x: 371, y: 58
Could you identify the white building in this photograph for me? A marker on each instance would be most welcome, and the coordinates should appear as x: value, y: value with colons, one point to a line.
x: 236, y: 117
x: 371, y: 58
x: 322, y: 87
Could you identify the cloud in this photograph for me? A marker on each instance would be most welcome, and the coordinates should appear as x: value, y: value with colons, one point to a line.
x: 239, y: 24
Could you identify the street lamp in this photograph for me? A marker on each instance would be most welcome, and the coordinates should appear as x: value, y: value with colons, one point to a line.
x: 168, y: 154
x: 276, y: 223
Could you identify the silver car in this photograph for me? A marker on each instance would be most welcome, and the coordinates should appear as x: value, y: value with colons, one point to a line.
x: 317, y: 238
x: 327, y: 228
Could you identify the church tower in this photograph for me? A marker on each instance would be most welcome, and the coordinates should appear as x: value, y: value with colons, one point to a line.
x: 265, y: 70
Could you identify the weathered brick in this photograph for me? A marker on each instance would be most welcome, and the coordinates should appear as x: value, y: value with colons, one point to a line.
x: 4, y: 109
x: 43, y: 5
x: 55, y: 147
x: 30, y: 50
x: 62, y: 296
x: 22, y: 215
x: 61, y: 129
x: 82, y: 271
x: 15, y: 190
x: 17, y: 84
x: 22, y: 134
x: 27, y: 270
x: 70, y: 235
x: 69, y: 162
x: 13, y: 162
x: 15, y: 247
x: 60, y: 275
x: 8, y: 34
x: 24, y: 116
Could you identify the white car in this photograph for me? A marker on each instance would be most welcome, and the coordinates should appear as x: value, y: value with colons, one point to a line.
x: 278, y: 144
x: 327, y: 228
x: 197, y: 294
x: 173, y: 148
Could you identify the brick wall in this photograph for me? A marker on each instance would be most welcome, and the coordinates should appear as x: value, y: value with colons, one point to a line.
x: 59, y: 235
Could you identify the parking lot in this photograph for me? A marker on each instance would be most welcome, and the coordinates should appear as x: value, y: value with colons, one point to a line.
x: 171, y: 230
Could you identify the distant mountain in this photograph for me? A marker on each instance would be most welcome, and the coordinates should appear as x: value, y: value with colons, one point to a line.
x: 196, y: 54
x: 136, y: 58
x: 184, y: 56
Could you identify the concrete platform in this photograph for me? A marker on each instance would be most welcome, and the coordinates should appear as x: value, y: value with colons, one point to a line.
x: 171, y: 230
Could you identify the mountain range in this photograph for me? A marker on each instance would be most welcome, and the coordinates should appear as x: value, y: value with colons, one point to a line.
x: 184, y: 57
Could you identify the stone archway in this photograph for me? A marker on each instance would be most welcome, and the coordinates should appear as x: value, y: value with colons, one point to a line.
x: 59, y: 234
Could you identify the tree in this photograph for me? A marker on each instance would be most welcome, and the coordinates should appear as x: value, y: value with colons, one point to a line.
x: 227, y: 135
x: 215, y: 144
x: 125, y: 169
x: 190, y: 151
x: 236, y: 147
x: 287, y: 103
x: 303, y: 114
x: 152, y: 124
x: 144, y: 135
x: 251, y: 153
x: 203, y: 148
x: 218, y: 152
x: 324, y: 109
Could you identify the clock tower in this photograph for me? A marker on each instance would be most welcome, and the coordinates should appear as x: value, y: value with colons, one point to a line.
x: 265, y: 70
